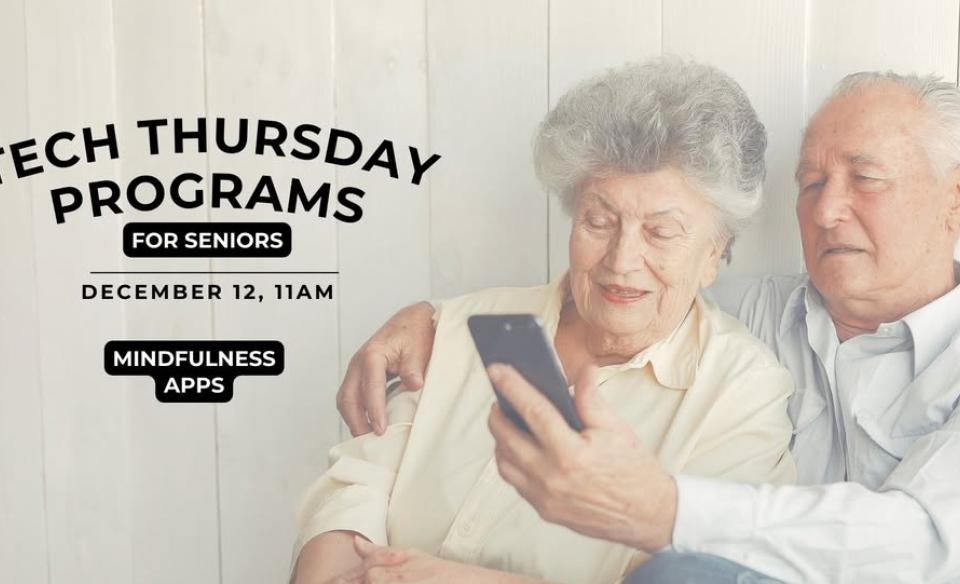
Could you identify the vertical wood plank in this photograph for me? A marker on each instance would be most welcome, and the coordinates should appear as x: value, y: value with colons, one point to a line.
x: 488, y: 91
x: 274, y: 62
x: 586, y: 39
x: 71, y: 85
x: 172, y: 457
x: 381, y: 93
x: 731, y: 35
x: 859, y: 35
x: 23, y: 544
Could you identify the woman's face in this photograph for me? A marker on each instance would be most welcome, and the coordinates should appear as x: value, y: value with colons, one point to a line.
x: 641, y: 246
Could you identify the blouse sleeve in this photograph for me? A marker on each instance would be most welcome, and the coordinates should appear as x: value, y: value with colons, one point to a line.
x: 353, y: 493
x: 747, y: 432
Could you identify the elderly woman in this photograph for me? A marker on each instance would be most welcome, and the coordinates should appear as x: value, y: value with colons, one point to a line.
x: 659, y: 165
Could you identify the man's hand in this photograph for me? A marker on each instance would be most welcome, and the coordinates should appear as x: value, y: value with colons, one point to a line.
x: 601, y: 482
x: 401, y: 347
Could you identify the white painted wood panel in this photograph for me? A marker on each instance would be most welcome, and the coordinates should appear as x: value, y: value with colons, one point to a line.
x: 23, y: 544
x: 859, y: 35
x: 275, y: 62
x: 171, y: 447
x: 732, y: 35
x: 586, y: 39
x: 71, y: 85
x: 381, y: 86
x: 488, y: 91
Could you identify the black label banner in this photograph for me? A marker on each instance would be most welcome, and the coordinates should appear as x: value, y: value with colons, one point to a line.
x: 207, y: 240
x: 193, y: 371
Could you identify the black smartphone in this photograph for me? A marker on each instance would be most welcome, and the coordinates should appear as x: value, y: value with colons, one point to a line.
x: 518, y: 340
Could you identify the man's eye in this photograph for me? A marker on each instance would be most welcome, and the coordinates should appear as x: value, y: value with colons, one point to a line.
x: 870, y: 184
x: 811, y: 186
x: 662, y: 233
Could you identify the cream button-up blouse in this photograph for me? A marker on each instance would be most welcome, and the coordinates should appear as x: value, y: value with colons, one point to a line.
x: 709, y: 399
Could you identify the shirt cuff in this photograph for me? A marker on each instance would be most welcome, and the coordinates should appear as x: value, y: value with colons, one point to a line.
x: 359, y: 508
x: 712, y: 514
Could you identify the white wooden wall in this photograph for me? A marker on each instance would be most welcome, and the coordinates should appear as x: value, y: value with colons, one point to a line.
x: 99, y: 483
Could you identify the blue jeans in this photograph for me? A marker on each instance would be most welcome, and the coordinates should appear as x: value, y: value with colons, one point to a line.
x: 676, y: 568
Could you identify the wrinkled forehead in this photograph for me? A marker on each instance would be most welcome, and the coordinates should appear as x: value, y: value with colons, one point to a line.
x: 874, y: 115
x: 666, y: 187
x: 882, y: 123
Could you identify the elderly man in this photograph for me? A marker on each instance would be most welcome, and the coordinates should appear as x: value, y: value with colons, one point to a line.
x: 872, y: 338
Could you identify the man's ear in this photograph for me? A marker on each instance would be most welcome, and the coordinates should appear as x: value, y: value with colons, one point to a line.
x: 953, y: 209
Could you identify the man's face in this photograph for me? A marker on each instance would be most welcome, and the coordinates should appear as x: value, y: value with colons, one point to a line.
x: 877, y: 218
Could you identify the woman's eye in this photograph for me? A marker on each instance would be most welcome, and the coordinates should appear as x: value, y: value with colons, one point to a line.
x: 599, y: 221
x: 811, y: 185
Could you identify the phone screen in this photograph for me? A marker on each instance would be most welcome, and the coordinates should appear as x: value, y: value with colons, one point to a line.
x: 518, y: 340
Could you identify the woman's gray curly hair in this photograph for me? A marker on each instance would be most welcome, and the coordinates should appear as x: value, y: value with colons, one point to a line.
x: 662, y: 112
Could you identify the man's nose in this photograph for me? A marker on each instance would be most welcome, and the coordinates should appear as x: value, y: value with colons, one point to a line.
x: 832, y: 203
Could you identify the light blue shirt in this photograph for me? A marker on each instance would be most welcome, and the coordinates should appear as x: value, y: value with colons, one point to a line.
x: 876, y: 443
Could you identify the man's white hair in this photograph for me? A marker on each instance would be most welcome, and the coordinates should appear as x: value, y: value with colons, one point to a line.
x: 940, y: 98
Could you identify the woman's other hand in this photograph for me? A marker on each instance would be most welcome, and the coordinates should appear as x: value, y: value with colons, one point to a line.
x: 388, y: 565
x: 330, y: 558
x: 401, y: 347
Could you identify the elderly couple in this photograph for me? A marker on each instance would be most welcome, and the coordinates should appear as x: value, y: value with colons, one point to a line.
x: 815, y: 439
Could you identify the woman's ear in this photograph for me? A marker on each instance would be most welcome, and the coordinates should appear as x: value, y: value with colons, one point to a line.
x: 711, y: 266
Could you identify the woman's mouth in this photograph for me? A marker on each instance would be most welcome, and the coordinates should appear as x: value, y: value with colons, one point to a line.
x: 621, y: 294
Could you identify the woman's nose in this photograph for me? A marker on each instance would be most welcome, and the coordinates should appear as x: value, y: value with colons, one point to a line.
x: 627, y: 252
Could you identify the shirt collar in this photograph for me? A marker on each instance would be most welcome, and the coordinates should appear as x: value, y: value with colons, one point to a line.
x: 676, y: 357
x: 673, y: 359
x: 797, y: 305
x: 934, y: 325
